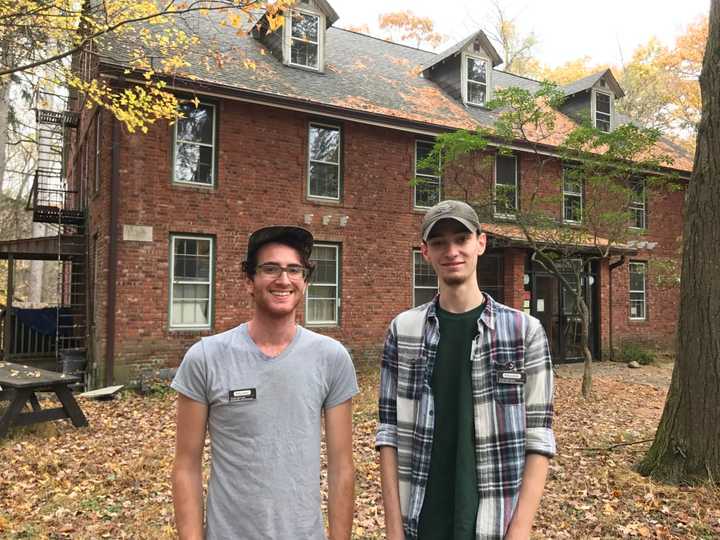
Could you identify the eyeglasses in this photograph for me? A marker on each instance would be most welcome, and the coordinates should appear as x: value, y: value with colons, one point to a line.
x: 272, y: 270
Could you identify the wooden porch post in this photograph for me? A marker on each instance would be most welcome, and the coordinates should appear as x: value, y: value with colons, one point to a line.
x: 10, y: 294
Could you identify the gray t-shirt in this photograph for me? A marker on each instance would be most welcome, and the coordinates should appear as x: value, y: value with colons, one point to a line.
x: 264, y: 423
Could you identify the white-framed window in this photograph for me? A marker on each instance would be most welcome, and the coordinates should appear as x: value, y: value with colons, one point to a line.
x: 572, y: 196
x: 475, y: 80
x: 427, y: 179
x: 638, y: 204
x: 425, y: 282
x: 194, y: 147
x: 638, y: 272
x: 304, y: 39
x: 191, y: 281
x: 602, y: 111
x: 506, y: 185
x: 324, y: 161
x: 322, y: 301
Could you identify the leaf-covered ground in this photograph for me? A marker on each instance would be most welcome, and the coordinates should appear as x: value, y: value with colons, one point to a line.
x: 111, y: 480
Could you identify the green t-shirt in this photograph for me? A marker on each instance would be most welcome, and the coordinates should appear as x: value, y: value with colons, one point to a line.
x: 451, y: 498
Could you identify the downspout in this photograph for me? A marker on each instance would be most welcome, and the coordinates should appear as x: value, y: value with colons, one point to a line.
x: 112, y: 255
x: 612, y: 267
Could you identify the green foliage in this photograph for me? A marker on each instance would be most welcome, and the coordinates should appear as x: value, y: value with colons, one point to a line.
x: 522, y: 110
x: 636, y: 352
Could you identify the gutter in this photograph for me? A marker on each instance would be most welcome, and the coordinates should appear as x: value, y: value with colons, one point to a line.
x: 112, y: 255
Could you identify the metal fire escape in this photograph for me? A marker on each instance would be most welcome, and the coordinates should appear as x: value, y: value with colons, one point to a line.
x: 58, y: 201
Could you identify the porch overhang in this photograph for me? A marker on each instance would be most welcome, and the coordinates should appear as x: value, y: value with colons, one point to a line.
x: 512, y: 235
x: 46, y: 248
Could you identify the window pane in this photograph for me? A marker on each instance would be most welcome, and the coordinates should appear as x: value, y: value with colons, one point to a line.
x: 506, y: 170
x: 476, y: 93
x: 637, y: 278
x: 197, y: 126
x: 476, y: 70
x: 602, y: 103
x: 637, y: 218
x: 637, y: 309
x: 324, y: 272
x: 321, y: 310
x: 303, y: 53
x: 305, y: 26
x: 427, y: 191
x: 324, y: 180
x: 423, y: 296
x: 322, y: 292
x: 424, y: 273
x: 573, y: 208
x: 324, y: 144
x: 193, y: 163
x: 322, y: 299
x: 572, y: 183
x: 505, y: 198
x: 188, y: 266
x: 422, y: 151
x: 602, y: 124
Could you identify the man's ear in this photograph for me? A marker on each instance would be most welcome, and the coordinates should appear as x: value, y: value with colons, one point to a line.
x: 424, y: 250
x: 249, y: 286
x: 482, y: 243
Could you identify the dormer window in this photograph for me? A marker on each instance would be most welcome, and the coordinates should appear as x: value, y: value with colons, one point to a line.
x: 603, y: 111
x: 476, y: 81
x: 305, y: 40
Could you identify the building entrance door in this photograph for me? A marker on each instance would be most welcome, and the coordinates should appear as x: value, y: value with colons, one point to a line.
x: 545, y: 305
x: 556, y: 310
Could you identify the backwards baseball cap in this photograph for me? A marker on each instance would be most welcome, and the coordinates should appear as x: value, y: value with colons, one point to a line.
x: 457, y: 210
x: 295, y: 237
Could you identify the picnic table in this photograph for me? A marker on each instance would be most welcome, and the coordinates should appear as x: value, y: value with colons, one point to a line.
x: 20, y: 384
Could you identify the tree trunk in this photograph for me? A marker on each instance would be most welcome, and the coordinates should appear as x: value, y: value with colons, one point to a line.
x: 4, y: 126
x: 687, y: 442
x: 586, y: 387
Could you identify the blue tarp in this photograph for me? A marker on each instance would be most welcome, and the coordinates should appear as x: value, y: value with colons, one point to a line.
x: 42, y: 320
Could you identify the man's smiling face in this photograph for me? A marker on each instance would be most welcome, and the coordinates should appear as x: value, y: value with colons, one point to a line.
x: 453, y: 251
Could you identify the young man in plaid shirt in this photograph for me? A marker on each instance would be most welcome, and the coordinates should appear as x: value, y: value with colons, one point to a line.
x: 465, y: 433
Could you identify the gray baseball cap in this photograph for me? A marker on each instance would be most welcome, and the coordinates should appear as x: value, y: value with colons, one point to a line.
x: 457, y: 210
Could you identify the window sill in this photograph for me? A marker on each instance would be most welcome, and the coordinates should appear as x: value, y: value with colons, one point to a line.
x: 190, y: 330
x: 319, y: 70
x: 189, y: 185
x: 324, y: 200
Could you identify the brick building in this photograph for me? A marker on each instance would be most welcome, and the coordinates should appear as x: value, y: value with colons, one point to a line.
x: 326, y: 133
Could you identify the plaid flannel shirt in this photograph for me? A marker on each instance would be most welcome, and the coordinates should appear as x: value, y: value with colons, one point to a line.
x: 511, y: 420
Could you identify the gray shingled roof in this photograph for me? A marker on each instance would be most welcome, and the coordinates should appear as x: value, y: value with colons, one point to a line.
x: 362, y: 74
x: 588, y: 82
x: 460, y: 45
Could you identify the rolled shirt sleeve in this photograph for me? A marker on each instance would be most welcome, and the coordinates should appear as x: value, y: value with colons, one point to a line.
x: 539, y: 392
x: 387, y: 427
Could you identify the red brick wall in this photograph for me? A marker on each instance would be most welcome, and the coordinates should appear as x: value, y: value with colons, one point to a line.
x: 261, y: 180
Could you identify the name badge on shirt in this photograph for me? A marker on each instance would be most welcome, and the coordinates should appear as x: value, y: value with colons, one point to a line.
x: 243, y: 394
x: 511, y: 377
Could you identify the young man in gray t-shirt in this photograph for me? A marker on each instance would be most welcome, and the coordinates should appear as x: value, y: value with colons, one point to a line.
x: 260, y: 390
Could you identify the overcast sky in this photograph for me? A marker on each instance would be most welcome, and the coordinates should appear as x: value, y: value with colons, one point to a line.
x: 566, y: 29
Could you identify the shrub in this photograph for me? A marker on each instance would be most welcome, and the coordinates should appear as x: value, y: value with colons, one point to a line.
x: 630, y: 352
